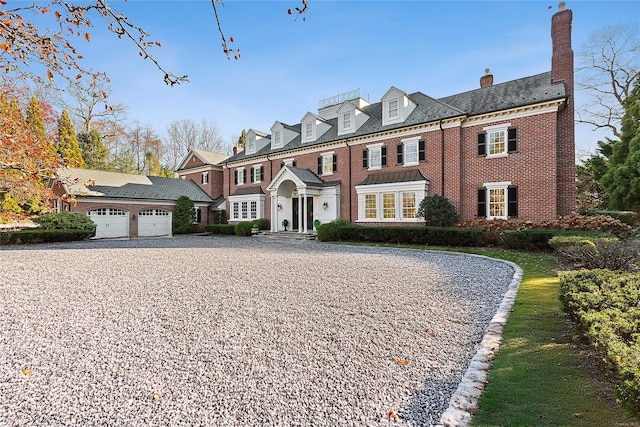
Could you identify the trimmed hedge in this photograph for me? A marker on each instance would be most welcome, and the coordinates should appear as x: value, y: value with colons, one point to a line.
x: 38, y: 235
x: 65, y: 221
x: 243, y: 228
x: 534, y: 239
x: 228, y: 229
x: 419, y: 235
x: 607, y: 306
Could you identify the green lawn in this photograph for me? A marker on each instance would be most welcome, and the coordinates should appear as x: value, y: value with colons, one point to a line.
x: 544, y: 374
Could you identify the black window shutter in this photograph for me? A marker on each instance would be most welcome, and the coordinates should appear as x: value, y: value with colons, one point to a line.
x: 261, y: 173
x: 320, y: 165
x: 235, y: 177
x: 335, y: 163
x: 281, y: 165
x: 365, y: 158
x: 383, y: 152
x: 482, y: 202
x: 251, y: 172
x: 512, y: 202
x: 293, y: 163
x: 482, y: 145
x: 400, y: 154
x: 512, y: 140
x: 422, y: 151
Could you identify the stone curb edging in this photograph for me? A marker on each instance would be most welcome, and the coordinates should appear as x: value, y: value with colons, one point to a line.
x: 464, y: 401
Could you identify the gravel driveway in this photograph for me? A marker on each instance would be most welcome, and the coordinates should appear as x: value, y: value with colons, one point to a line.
x: 226, y: 331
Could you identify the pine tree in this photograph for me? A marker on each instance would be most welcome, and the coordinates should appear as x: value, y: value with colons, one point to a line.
x: 68, y: 143
x: 622, y: 180
x: 94, y: 153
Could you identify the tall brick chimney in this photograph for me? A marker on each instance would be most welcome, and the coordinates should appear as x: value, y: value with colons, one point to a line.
x: 487, y: 79
x: 562, y: 72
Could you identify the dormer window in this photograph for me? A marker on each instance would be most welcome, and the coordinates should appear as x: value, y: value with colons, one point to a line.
x: 277, y: 139
x: 308, y: 131
x: 251, y: 144
x: 394, y: 111
x: 346, y: 120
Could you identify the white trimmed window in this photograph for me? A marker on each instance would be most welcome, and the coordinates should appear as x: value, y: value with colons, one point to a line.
x: 498, y: 200
x: 245, y: 211
x: 251, y: 144
x: 254, y: 209
x: 257, y: 173
x: 277, y: 139
x: 236, y: 210
x: 246, y: 206
x: 498, y: 140
x: 346, y: 120
x: 393, y: 202
x: 409, y: 204
x: 371, y: 206
x: 410, y: 150
x: 393, y: 109
x: 205, y: 177
x: 308, y: 132
x: 388, y: 205
x: 239, y: 177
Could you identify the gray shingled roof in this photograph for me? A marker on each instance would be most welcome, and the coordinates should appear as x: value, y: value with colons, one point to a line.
x: 116, y: 185
x: 306, y: 176
x: 390, y: 177
x: 515, y: 93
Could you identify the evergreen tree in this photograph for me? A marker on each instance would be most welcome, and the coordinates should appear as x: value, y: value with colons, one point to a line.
x: 94, y: 154
x: 125, y: 162
x: 622, y: 180
x: 68, y: 143
x: 35, y: 120
x: 184, y: 214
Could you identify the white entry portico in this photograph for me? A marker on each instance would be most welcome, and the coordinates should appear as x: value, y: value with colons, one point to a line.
x: 300, y: 197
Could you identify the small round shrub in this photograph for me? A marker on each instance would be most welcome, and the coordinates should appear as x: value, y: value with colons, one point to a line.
x: 243, y: 228
x: 437, y: 211
x: 263, y: 223
x: 65, y: 221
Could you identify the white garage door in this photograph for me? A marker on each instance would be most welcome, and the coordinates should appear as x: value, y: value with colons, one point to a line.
x: 110, y: 223
x: 154, y: 222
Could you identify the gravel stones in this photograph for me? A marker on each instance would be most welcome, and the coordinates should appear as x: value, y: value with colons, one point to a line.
x: 232, y: 331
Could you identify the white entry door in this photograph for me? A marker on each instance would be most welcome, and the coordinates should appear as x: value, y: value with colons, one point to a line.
x: 154, y: 222
x: 110, y: 223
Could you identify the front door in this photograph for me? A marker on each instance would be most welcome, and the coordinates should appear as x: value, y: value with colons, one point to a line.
x: 309, y: 213
x: 294, y: 214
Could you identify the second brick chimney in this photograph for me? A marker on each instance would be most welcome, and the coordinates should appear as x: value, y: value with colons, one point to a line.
x: 487, y: 79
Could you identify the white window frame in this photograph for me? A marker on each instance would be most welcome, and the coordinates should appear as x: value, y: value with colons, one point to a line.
x: 347, y: 121
x: 236, y: 205
x: 309, y: 132
x: 205, y: 178
x: 407, y: 145
x: 492, y: 131
x: 497, y: 186
x: 241, y: 176
x: 251, y: 144
x: 327, y: 163
x: 256, y: 175
x: 253, y: 209
x: 398, y: 189
x: 244, y: 210
x: 391, y: 109
x: 403, y: 214
x: 277, y: 139
x: 371, y: 149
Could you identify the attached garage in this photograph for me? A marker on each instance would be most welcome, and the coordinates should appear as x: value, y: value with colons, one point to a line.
x: 154, y: 222
x: 110, y: 223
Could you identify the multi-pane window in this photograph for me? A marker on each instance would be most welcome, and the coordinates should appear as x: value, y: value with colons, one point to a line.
x: 388, y: 205
x: 254, y: 210
x: 205, y: 177
x: 236, y: 209
x: 239, y: 176
x: 277, y: 139
x: 308, y: 131
x: 251, y: 145
x: 327, y: 164
x: 370, y: 206
x: 497, y: 203
x: 411, y: 152
x: 375, y: 157
x: 346, y: 120
x: 409, y: 204
x: 245, y: 212
x: 497, y: 142
x: 394, y: 111
x: 257, y: 172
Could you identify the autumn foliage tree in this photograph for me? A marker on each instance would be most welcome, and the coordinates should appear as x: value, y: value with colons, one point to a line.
x: 27, y: 163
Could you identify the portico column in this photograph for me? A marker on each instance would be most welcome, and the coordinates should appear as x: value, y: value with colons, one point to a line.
x: 274, y: 213
x: 304, y: 214
x: 300, y: 210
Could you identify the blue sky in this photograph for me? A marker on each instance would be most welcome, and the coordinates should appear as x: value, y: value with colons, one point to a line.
x: 287, y: 65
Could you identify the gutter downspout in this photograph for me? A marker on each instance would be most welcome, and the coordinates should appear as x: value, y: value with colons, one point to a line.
x: 441, y: 157
x: 350, y: 172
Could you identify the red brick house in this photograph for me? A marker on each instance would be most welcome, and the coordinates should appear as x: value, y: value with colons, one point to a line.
x: 502, y: 150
